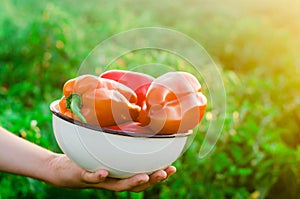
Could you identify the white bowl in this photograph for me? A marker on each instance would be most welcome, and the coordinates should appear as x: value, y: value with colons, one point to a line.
x: 123, y: 154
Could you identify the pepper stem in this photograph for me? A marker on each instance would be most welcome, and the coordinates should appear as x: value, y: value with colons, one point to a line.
x: 74, y: 104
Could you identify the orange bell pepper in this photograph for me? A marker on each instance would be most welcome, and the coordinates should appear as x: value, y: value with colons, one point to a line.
x: 98, y: 101
x: 175, y: 104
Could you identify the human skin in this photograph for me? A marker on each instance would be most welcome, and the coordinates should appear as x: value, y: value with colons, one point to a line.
x: 21, y: 157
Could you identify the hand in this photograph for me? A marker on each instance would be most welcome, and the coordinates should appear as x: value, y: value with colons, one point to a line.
x: 139, y: 182
x: 25, y: 158
x: 65, y: 173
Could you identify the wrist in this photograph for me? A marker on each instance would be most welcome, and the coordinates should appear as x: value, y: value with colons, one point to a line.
x: 51, y: 170
x: 62, y: 172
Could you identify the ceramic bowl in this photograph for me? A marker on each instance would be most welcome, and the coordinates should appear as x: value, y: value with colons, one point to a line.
x: 123, y: 154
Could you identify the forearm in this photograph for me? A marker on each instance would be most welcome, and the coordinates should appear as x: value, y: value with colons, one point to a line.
x: 18, y: 156
x: 21, y: 157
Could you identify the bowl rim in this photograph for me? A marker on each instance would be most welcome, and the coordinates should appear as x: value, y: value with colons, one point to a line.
x: 55, y: 111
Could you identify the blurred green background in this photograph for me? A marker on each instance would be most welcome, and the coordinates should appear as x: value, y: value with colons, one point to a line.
x: 256, y: 44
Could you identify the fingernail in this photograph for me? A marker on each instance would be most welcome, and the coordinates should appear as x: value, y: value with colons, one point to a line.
x: 103, y: 174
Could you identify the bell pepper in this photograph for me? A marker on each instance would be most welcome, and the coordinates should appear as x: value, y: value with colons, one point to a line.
x: 98, y: 101
x: 132, y: 127
x: 138, y: 82
x: 175, y: 104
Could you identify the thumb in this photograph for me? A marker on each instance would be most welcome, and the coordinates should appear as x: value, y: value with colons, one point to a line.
x: 94, y: 177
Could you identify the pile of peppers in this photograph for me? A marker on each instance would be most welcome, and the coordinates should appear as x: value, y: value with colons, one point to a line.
x: 135, y: 102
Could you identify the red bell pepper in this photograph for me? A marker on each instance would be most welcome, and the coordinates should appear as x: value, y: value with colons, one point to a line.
x: 175, y: 104
x: 132, y: 127
x: 98, y: 101
x: 138, y: 82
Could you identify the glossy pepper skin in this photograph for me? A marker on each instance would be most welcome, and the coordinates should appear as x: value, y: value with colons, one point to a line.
x: 132, y: 127
x: 139, y: 82
x: 98, y: 101
x: 175, y: 104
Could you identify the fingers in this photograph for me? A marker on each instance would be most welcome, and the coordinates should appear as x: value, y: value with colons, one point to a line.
x: 124, y: 184
x: 155, y: 178
x: 136, y: 183
x: 170, y: 170
x: 94, y: 177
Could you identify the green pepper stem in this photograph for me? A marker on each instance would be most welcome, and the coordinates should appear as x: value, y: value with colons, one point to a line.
x: 74, y: 104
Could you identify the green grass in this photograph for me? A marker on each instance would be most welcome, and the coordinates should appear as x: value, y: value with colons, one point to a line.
x: 255, y: 44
